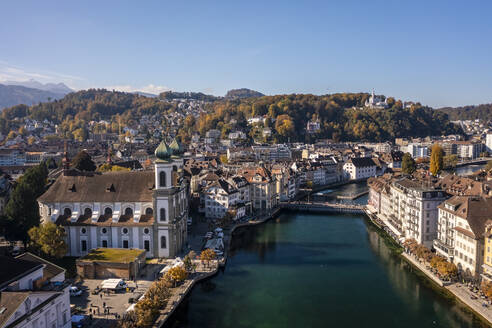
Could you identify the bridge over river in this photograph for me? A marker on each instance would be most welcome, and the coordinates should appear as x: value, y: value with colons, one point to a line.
x: 323, y: 207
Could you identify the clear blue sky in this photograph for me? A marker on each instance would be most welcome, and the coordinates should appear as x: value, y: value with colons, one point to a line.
x: 435, y: 52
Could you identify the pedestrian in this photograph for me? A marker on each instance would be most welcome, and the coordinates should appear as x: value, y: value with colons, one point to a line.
x: 104, y: 304
x: 101, y: 295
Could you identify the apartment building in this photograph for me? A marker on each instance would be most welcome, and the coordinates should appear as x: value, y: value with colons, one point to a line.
x: 461, y: 228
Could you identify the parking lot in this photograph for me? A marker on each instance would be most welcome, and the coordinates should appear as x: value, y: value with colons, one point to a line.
x: 116, y: 303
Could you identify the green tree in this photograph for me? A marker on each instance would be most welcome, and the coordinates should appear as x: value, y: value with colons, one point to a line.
x: 83, y: 162
x: 22, y: 210
x: 189, y: 265
x: 49, y: 239
x: 436, y: 161
x: 450, y: 161
x: 408, y: 165
x: 488, y: 167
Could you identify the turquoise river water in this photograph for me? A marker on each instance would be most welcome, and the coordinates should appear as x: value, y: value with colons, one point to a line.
x: 307, y: 270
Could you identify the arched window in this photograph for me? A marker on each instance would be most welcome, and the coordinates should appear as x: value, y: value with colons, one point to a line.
x: 87, y: 212
x: 149, y: 211
x: 163, y: 242
x: 108, y: 211
x: 67, y: 211
x: 162, y: 179
x: 163, y: 214
x: 128, y: 211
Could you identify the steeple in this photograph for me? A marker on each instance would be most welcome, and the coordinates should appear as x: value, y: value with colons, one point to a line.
x: 65, y: 160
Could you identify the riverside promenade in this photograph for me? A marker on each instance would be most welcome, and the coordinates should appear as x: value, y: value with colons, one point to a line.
x: 179, y: 293
x: 459, y: 291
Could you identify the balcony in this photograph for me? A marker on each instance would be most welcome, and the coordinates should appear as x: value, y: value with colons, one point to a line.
x: 443, y: 248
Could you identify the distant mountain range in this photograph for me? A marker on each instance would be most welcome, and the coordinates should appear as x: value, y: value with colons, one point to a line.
x: 30, y: 92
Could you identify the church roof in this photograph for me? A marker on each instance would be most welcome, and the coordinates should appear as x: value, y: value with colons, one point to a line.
x: 111, y: 187
x: 176, y: 147
x: 163, y: 152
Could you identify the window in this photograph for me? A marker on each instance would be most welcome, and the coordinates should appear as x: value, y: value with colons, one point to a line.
x: 128, y: 211
x: 104, y: 230
x: 146, y: 231
x: 163, y: 214
x: 163, y: 242
x: 84, y: 245
x: 83, y: 231
x: 108, y: 211
x: 87, y: 212
x: 149, y: 211
x: 147, y: 245
x: 125, y: 243
x: 67, y: 211
x: 125, y: 231
x: 105, y: 243
x: 162, y: 179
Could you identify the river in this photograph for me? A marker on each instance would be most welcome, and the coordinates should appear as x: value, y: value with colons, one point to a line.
x: 467, y: 169
x: 307, y: 270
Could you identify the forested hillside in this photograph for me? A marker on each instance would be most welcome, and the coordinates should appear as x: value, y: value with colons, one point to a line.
x: 482, y: 112
x: 341, y: 116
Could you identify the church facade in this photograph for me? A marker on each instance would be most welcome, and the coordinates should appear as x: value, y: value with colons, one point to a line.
x: 138, y: 209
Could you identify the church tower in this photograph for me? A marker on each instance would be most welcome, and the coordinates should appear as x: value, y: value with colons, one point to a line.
x: 170, y: 200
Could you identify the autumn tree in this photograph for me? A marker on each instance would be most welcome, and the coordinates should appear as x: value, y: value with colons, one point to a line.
x: 49, y: 239
x: 285, y: 126
x: 207, y: 255
x: 146, y: 312
x: 436, y: 161
x: 177, y: 274
x: 408, y: 165
x: 487, y: 289
x: 83, y: 162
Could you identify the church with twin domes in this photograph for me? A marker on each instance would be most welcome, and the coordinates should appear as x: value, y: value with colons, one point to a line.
x: 137, y: 209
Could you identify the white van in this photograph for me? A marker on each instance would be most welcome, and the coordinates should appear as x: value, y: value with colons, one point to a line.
x: 114, y: 284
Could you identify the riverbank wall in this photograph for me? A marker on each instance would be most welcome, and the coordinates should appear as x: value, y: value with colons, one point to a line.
x: 179, y: 295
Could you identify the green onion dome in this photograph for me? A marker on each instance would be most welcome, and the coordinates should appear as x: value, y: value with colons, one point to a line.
x: 163, y: 152
x: 176, y: 147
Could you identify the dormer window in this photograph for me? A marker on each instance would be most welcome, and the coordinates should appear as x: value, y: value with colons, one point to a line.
x: 72, y: 188
x: 110, y: 188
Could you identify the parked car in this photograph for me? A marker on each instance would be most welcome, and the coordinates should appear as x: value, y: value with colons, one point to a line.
x: 75, y: 291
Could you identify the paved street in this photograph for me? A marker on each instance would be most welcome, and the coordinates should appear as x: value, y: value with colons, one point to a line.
x: 464, y: 294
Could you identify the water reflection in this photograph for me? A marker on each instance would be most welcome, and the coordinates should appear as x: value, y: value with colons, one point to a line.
x: 416, y: 290
x: 316, y: 271
x: 466, y: 170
